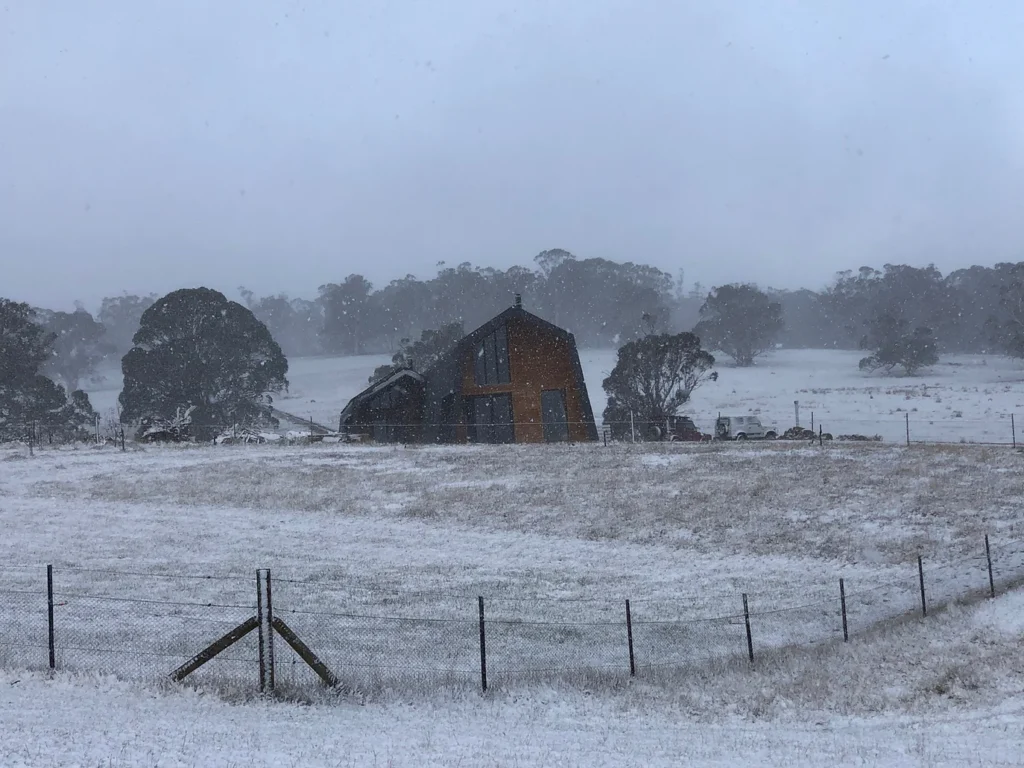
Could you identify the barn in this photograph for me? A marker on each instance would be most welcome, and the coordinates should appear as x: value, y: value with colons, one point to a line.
x: 515, y: 379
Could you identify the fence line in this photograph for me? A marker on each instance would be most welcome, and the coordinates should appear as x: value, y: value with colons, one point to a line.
x: 909, y: 428
x: 129, y: 622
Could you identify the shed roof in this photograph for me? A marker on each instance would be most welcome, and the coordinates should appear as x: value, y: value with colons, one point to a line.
x: 379, y: 386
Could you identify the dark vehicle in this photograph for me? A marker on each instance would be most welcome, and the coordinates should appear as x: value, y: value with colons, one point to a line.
x: 680, y: 429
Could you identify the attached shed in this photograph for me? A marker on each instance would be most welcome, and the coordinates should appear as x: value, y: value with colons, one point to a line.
x: 388, y: 411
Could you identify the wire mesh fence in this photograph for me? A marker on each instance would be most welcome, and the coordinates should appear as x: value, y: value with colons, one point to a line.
x: 901, y: 427
x: 271, y: 631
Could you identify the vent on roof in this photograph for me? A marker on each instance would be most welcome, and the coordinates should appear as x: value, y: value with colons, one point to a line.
x: 518, y: 302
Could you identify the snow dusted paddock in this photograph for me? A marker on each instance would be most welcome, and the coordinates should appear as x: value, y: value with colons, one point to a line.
x: 155, y: 552
x: 983, y: 390
x: 379, y: 554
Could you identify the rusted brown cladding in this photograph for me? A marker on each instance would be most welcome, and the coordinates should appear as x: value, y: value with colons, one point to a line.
x: 538, y: 360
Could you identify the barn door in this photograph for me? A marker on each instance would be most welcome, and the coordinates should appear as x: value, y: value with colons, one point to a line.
x: 556, y: 423
x: 491, y: 419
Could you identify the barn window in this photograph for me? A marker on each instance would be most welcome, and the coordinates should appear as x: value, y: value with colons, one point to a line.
x: 491, y: 363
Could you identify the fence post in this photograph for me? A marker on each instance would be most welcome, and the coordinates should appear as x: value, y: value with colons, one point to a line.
x: 812, y: 421
x: 907, y: 416
x: 991, y: 581
x: 270, y: 636
x: 260, y: 629
x: 746, y: 619
x: 842, y: 603
x: 483, y: 647
x: 1013, y: 429
x: 49, y: 616
x: 632, y: 427
x: 821, y: 436
x: 920, y: 574
x: 629, y: 637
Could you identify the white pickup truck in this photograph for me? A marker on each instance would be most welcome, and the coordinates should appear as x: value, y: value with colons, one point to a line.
x: 743, y: 428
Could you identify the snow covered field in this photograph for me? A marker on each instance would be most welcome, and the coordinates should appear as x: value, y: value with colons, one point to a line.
x: 964, y: 398
x: 155, y: 550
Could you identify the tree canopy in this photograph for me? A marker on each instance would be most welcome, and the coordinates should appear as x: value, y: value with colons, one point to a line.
x: 653, y: 377
x: 740, y: 320
x: 29, y: 401
x: 422, y: 354
x: 78, y: 347
x: 194, y: 347
x: 893, y: 344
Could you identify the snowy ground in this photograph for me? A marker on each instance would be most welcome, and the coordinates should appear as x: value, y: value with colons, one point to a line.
x: 965, y: 397
x: 155, y: 552
x: 958, y: 708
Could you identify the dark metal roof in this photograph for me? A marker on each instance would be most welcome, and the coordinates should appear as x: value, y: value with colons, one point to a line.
x: 512, y: 313
x: 379, y: 386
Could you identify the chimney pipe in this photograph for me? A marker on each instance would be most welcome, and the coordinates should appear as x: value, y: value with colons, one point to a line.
x: 518, y: 302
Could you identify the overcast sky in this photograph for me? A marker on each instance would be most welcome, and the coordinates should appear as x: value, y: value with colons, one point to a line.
x: 281, y: 145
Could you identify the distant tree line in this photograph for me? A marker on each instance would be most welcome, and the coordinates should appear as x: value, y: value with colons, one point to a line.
x: 901, y: 316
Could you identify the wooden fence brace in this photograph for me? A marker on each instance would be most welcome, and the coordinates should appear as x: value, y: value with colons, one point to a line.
x: 214, y: 648
x: 483, y: 646
x: 305, y: 652
x: 49, y: 616
x: 259, y: 621
x: 270, y: 635
x: 842, y: 603
x: 991, y: 580
x: 629, y: 636
x: 920, y: 574
x: 746, y: 620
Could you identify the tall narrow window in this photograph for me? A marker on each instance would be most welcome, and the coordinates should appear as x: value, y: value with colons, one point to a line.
x: 491, y: 363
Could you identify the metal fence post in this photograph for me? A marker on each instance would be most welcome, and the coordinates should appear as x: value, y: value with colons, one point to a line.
x: 991, y: 581
x: 270, y: 636
x: 746, y: 619
x: 260, y: 630
x: 1013, y: 429
x: 842, y: 603
x: 920, y: 574
x: 907, y: 416
x: 629, y: 637
x: 49, y: 616
x: 483, y: 647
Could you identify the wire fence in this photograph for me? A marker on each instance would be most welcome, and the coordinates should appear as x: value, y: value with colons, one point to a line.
x: 268, y: 631
x: 907, y: 427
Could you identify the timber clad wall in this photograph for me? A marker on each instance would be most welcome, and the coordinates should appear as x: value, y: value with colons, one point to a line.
x: 538, y: 360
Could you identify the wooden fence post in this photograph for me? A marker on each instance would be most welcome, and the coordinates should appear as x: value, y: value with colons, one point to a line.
x: 49, y: 616
x: 991, y: 580
x: 629, y: 637
x: 262, y: 629
x: 920, y: 574
x: 746, y: 620
x: 270, y: 636
x: 483, y: 647
x: 842, y: 603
